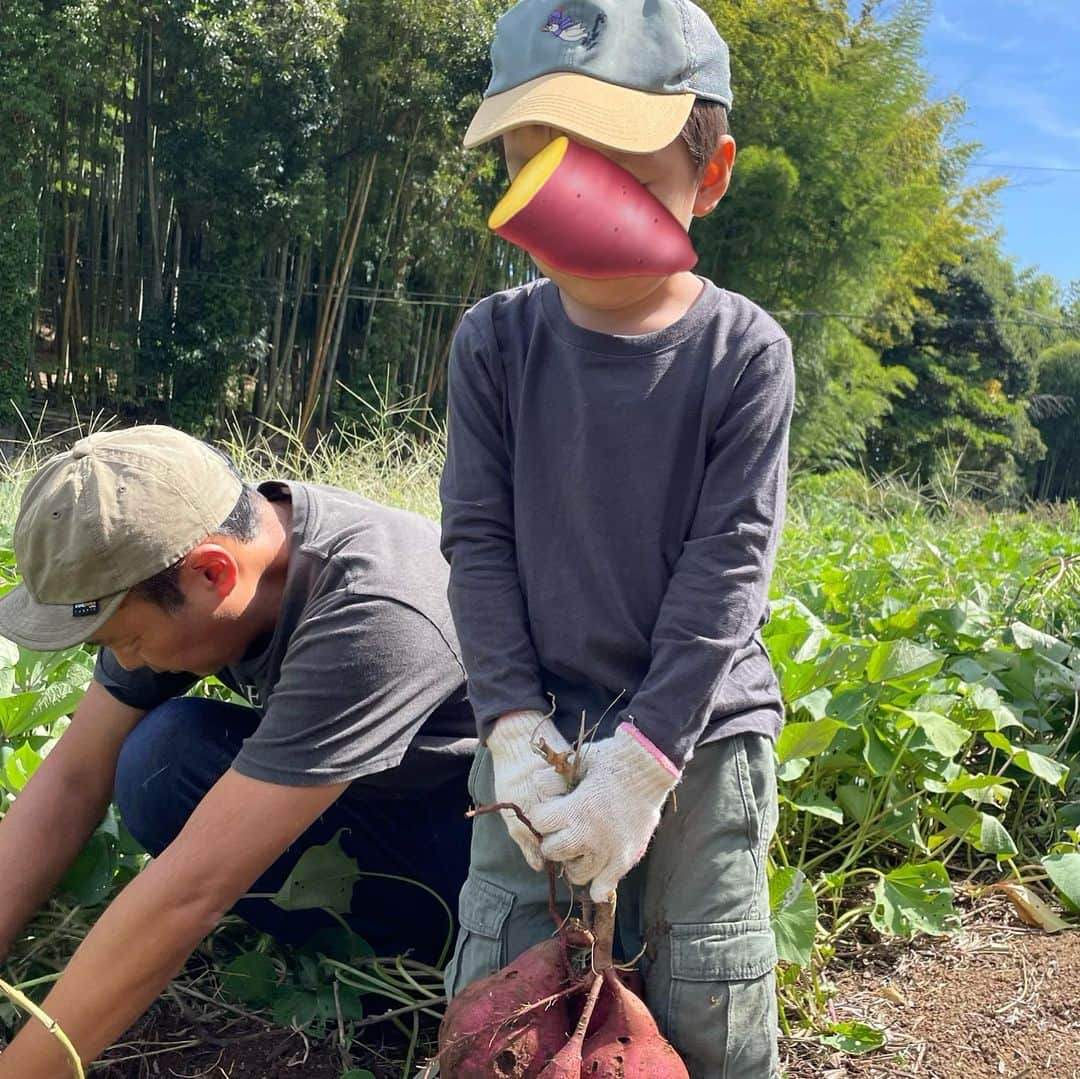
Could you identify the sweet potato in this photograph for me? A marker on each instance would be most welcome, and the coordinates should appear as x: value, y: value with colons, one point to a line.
x: 561, y: 1010
x: 626, y: 1042
x: 577, y: 211
x: 512, y: 1023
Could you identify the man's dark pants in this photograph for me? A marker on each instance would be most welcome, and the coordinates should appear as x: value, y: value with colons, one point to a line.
x: 180, y: 750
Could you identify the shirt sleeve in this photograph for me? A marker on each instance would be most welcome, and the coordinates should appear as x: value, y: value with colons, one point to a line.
x: 718, y: 593
x: 478, y: 539
x: 360, y: 676
x: 142, y: 688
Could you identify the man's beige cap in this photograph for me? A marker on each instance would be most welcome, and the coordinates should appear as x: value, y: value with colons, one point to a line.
x: 111, y: 512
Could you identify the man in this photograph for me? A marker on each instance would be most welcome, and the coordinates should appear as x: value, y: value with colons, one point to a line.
x: 328, y: 613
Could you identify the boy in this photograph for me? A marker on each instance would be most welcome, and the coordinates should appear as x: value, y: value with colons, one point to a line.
x: 612, y: 500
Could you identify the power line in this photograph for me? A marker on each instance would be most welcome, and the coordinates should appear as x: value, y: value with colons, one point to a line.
x: 219, y: 280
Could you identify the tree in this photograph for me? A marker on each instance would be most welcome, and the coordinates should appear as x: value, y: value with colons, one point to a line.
x: 839, y: 213
x: 973, y: 354
x: 23, y: 109
x: 1057, y: 414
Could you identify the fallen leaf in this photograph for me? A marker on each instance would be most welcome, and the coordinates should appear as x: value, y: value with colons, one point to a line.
x: 1032, y: 910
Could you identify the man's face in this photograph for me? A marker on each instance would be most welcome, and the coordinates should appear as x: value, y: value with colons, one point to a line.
x: 669, y: 174
x: 143, y: 634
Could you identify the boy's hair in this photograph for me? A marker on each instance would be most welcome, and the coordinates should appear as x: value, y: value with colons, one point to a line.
x: 242, y: 524
x: 705, y: 127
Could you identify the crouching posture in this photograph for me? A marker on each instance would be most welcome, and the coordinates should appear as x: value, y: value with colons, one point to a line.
x: 327, y: 613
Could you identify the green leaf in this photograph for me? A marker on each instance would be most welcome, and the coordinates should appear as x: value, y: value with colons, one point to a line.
x: 994, y: 837
x: 794, y: 915
x: 806, y: 739
x: 89, y: 879
x: 19, y: 766
x: 853, y: 1038
x: 813, y: 801
x: 1037, y: 764
x: 1064, y: 870
x: 814, y: 704
x: 9, y: 653
x: 323, y: 877
x: 901, y: 660
x: 914, y: 899
x: 38, y: 708
x: 251, y: 978
x: 792, y: 770
x: 352, y: 1005
x: 945, y: 737
x: 1029, y: 639
x: 295, y: 1008
x: 878, y: 755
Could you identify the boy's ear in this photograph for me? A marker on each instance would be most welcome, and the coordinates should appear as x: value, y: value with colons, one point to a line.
x: 717, y: 176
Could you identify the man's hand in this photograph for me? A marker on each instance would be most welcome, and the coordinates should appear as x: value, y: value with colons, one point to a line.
x: 523, y: 775
x: 603, y: 827
x: 149, y: 930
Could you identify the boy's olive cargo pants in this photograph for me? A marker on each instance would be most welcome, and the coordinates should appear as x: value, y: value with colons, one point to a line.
x: 698, y: 904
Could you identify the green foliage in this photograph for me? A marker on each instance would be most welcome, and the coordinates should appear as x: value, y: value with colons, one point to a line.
x: 930, y: 667
x: 22, y: 113
x: 193, y: 170
x: 838, y: 214
x: 1056, y: 410
x: 973, y: 357
x: 323, y: 877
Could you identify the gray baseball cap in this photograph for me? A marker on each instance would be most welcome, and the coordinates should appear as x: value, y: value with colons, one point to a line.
x: 621, y: 73
x: 100, y: 518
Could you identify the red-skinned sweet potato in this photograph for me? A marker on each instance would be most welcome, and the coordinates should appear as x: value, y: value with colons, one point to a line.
x: 506, y: 1026
x: 575, y: 210
x: 517, y: 1023
x: 626, y: 1042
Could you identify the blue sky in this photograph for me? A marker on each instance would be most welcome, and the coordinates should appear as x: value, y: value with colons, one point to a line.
x: 1017, y: 64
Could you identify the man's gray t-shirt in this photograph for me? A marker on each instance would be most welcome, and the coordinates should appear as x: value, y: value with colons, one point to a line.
x: 611, y: 510
x: 361, y: 680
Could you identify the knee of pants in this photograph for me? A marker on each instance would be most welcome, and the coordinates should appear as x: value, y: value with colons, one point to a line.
x: 166, y: 765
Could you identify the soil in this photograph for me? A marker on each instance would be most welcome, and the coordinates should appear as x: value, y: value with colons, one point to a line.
x: 165, y: 1046
x: 996, y: 1000
x: 999, y: 999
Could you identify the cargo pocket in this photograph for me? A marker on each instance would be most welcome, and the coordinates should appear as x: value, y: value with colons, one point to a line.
x: 721, y: 1012
x: 480, y: 950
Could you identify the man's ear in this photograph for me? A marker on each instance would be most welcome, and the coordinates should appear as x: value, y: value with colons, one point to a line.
x: 717, y: 176
x: 213, y: 567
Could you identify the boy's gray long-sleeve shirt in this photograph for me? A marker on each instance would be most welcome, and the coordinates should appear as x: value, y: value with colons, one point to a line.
x: 611, y: 510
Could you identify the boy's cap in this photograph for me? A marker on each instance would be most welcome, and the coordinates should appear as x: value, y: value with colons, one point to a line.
x: 111, y: 512
x: 621, y: 73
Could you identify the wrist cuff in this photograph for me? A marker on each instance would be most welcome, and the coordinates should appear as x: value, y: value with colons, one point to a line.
x: 651, y: 749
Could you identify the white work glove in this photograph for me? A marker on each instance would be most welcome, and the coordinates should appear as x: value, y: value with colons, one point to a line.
x: 600, y: 830
x: 522, y: 775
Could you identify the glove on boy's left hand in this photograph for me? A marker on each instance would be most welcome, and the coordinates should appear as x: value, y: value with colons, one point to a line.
x: 603, y: 827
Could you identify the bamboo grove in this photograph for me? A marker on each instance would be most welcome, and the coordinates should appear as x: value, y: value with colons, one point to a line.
x: 261, y: 209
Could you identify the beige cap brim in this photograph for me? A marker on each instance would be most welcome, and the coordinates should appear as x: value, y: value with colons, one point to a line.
x: 50, y: 627
x: 633, y: 121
